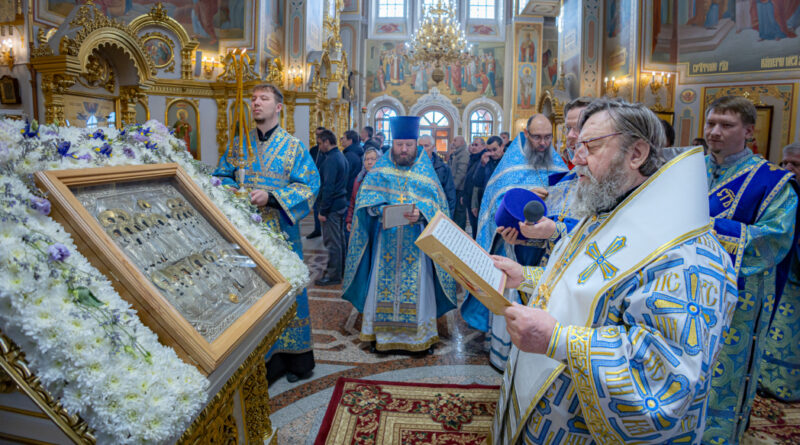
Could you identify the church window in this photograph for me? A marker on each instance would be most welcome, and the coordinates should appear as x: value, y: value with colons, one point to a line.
x: 391, y: 8
x: 436, y: 124
x: 480, y: 124
x: 382, y: 122
x: 482, y: 9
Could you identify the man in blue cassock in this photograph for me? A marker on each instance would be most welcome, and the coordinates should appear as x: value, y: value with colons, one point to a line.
x: 780, y: 366
x: 387, y: 277
x: 284, y: 183
x: 753, y: 207
x: 528, y: 163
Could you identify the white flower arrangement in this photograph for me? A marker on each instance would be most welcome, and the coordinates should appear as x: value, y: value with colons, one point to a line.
x: 85, y: 343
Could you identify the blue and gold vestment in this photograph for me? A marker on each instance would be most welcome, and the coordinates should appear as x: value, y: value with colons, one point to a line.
x: 642, y: 296
x: 780, y: 364
x: 753, y: 207
x: 387, y: 277
x: 513, y: 171
x: 284, y: 168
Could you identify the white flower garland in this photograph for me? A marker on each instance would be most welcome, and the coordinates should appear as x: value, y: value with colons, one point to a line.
x: 85, y: 343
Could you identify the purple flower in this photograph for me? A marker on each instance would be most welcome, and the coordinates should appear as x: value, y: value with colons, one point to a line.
x: 104, y: 150
x: 215, y: 181
x: 128, y: 152
x: 150, y: 146
x: 98, y: 135
x: 31, y: 130
x: 85, y: 157
x: 58, y: 252
x: 41, y: 205
x: 63, y: 148
x: 139, y: 137
x: 256, y: 217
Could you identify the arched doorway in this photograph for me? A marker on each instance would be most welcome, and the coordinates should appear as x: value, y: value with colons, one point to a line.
x: 438, y: 125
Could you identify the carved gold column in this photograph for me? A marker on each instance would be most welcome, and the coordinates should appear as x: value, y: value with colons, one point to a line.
x: 256, y: 405
x: 186, y: 64
x: 222, y: 125
x: 54, y: 86
x: 129, y: 96
x: 289, y: 104
x: 312, y: 124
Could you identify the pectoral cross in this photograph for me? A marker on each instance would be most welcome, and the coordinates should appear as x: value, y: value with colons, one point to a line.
x: 600, y: 260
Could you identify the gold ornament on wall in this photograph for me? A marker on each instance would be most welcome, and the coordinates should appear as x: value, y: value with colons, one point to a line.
x: 161, y: 50
x: 98, y: 74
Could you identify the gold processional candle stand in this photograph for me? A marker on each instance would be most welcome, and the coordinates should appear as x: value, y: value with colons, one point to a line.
x: 240, y: 61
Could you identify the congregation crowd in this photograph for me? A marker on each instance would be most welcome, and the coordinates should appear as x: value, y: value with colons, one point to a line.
x: 658, y: 294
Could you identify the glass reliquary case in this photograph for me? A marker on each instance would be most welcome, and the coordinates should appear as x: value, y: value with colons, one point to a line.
x: 170, y: 252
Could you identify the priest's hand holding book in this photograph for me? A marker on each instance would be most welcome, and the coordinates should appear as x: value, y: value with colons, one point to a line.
x: 530, y: 328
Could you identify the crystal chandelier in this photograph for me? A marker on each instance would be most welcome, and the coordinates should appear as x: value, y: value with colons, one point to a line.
x: 439, y: 40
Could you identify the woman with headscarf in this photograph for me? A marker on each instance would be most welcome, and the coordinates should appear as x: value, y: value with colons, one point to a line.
x: 371, y: 156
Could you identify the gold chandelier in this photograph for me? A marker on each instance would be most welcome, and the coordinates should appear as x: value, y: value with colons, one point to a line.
x: 439, y: 40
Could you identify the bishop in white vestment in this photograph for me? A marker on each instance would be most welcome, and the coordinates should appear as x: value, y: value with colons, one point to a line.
x: 619, y: 339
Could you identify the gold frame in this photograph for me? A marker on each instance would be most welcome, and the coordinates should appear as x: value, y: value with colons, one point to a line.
x: 666, y: 115
x: 193, y: 103
x: 169, y: 65
x: 154, y: 310
x: 518, y: 113
x: 146, y: 109
x: 116, y: 100
x: 9, y: 82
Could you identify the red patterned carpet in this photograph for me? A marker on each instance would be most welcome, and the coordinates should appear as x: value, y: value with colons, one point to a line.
x: 773, y: 422
x: 375, y: 412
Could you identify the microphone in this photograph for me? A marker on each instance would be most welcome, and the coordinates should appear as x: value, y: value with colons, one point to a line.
x: 534, y: 211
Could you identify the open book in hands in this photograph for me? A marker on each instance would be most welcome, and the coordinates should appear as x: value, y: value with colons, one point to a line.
x: 466, y: 261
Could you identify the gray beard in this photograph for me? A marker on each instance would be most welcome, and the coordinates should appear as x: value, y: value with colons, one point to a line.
x: 599, y: 195
x: 539, y: 160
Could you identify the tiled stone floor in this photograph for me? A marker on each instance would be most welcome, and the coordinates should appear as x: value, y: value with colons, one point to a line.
x: 298, y: 408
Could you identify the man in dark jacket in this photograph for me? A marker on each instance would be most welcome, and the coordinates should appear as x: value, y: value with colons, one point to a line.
x: 318, y: 157
x: 459, y: 161
x: 354, y: 155
x: 332, y: 207
x: 476, y: 150
x: 442, y: 172
x: 495, y: 150
x: 381, y: 137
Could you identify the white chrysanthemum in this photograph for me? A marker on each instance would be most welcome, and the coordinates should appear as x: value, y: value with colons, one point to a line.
x: 124, y: 398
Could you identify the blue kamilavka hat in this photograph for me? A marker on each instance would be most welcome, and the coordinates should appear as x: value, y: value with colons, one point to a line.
x: 404, y: 127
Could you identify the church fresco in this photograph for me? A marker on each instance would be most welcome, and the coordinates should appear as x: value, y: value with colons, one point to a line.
x: 706, y: 37
x: 569, y: 45
x: 390, y: 73
x: 618, y: 37
x: 208, y: 21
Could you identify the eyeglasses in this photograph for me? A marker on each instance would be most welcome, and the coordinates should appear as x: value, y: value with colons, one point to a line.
x: 582, y: 147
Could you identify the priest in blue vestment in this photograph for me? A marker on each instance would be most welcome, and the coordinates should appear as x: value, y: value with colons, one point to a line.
x: 780, y: 366
x: 618, y: 340
x: 753, y: 206
x: 528, y: 163
x: 284, y: 183
x: 399, y: 291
